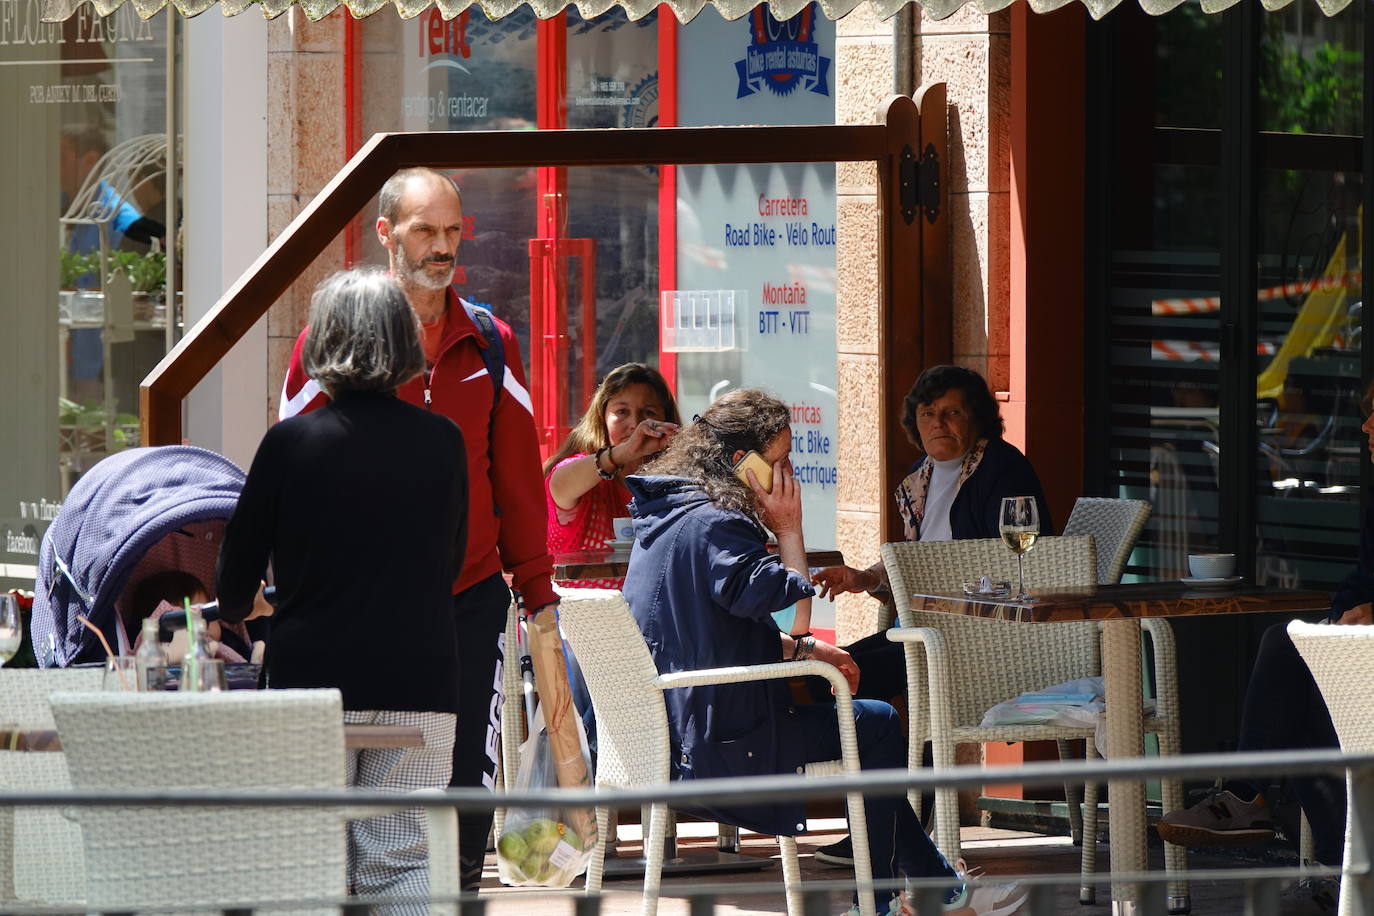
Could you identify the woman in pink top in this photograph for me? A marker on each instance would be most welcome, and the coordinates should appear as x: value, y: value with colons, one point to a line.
x: 631, y: 416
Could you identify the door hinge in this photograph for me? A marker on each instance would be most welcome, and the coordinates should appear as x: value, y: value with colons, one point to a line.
x: 908, y: 192
x: 929, y: 182
x: 920, y: 184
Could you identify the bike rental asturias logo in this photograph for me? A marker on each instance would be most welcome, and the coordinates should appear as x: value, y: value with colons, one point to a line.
x: 782, y: 56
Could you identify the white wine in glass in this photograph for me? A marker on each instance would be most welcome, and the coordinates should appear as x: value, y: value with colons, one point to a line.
x: 10, y: 633
x: 1019, y: 524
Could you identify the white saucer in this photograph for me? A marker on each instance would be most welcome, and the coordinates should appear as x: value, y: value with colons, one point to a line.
x: 617, y: 544
x: 1218, y: 582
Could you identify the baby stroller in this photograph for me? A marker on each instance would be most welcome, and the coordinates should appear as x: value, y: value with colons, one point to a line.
x: 136, y: 513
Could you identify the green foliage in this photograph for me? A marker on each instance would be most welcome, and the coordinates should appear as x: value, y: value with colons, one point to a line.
x: 147, y: 272
x: 90, y: 416
x: 1317, y: 91
x: 72, y: 266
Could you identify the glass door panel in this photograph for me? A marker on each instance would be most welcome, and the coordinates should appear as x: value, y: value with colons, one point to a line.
x: 466, y: 73
x: 1308, y: 389
x: 1164, y: 345
x: 594, y: 262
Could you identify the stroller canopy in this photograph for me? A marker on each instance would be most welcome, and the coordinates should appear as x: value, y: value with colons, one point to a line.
x: 125, y: 506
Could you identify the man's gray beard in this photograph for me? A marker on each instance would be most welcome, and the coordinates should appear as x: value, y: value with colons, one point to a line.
x: 413, y: 274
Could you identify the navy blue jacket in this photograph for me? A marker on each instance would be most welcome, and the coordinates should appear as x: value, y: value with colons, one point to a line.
x: 701, y: 585
x: 1358, y: 585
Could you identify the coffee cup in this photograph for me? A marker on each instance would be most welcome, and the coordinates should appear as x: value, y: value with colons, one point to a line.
x: 1211, y: 565
x: 624, y: 528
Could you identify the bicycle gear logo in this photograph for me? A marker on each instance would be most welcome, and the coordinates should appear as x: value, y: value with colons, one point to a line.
x: 783, y: 56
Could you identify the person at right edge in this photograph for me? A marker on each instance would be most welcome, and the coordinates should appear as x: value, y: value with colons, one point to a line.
x: 1284, y: 710
x: 420, y: 223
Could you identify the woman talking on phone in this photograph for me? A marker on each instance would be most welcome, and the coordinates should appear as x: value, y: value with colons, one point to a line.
x: 707, y: 593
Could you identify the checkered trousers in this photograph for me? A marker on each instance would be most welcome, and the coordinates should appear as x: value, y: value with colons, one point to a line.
x: 389, y: 855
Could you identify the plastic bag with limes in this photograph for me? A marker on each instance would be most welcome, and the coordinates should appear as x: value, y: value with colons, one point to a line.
x: 544, y: 847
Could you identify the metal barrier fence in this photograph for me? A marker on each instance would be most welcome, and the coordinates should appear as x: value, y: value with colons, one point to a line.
x: 1260, y: 885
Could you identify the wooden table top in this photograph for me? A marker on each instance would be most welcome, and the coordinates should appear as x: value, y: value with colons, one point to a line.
x: 356, y: 737
x: 613, y: 564
x: 1136, y: 600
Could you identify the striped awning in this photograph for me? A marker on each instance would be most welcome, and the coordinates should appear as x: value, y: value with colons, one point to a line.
x: 685, y: 10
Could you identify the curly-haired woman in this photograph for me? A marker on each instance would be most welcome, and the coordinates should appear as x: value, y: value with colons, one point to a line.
x: 704, y: 589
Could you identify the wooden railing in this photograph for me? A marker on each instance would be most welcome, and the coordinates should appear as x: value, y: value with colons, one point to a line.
x: 916, y: 333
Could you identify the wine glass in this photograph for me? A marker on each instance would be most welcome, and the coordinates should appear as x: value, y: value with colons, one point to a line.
x: 1019, y: 524
x: 11, y: 632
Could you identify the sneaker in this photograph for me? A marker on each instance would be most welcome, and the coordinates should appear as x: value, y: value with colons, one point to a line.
x: 839, y: 854
x: 987, y: 900
x: 982, y: 900
x: 897, y: 907
x: 1220, y: 819
x: 1311, y: 897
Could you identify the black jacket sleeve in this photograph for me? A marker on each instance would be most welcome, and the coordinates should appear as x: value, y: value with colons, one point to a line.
x: 1004, y: 471
x: 459, y: 497
x: 1358, y: 586
x: 248, y: 538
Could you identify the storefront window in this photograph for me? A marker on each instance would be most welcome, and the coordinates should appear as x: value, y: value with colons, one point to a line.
x: 1295, y: 503
x: 757, y: 243
x: 85, y: 292
x: 467, y: 73
x: 573, y: 258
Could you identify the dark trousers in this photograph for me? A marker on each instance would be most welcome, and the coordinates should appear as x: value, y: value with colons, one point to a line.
x: 882, y: 676
x: 897, y: 842
x: 1284, y: 710
x: 480, y: 615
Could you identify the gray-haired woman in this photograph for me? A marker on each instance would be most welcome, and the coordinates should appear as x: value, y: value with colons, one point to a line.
x: 361, y: 507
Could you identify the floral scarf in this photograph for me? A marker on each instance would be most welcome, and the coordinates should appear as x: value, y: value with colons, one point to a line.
x: 911, y: 492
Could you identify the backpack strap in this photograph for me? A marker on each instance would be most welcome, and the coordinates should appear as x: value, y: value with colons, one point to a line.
x: 494, y: 353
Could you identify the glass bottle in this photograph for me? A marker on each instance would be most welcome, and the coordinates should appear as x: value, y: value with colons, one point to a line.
x: 150, y: 659
x: 194, y: 664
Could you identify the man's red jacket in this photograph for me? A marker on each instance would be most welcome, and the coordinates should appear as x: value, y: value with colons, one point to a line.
x: 508, y: 515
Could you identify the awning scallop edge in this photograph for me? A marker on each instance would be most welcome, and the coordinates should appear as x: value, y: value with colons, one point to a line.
x: 685, y: 10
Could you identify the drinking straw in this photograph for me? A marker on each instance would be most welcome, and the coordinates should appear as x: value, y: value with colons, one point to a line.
x: 189, y: 665
x: 119, y: 672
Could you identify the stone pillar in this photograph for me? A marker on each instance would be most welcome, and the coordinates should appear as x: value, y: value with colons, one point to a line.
x: 863, y: 52
x: 970, y: 53
x: 305, y: 148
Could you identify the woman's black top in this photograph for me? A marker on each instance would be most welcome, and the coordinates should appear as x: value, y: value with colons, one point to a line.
x: 362, y: 508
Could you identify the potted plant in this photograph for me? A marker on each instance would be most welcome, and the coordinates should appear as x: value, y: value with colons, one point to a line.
x: 81, y: 428
x: 71, y: 267
x: 147, y: 275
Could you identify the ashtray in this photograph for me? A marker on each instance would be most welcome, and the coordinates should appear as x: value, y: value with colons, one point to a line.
x: 988, y: 588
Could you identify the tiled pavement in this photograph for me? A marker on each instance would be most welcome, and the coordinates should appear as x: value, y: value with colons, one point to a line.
x: 996, y: 852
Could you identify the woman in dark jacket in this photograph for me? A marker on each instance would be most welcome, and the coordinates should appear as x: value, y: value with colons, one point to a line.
x: 956, y: 491
x: 704, y: 589
x: 362, y: 506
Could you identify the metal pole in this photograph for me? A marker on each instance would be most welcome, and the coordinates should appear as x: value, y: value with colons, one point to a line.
x: 172, y: 180
x: 903, y: 56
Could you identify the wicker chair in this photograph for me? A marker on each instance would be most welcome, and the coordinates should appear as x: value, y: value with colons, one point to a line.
x: 633, y: 741
x: 512, y: 710
x: 41, y: 859
x: 513, y: 726
x: 969, y: 664
x: 1339, y: 659
x: 217, y: 858
x: 1114, y: 525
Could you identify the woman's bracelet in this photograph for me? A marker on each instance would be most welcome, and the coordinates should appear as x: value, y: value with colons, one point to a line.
x: 600, y: 471
x: 802, y: 648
